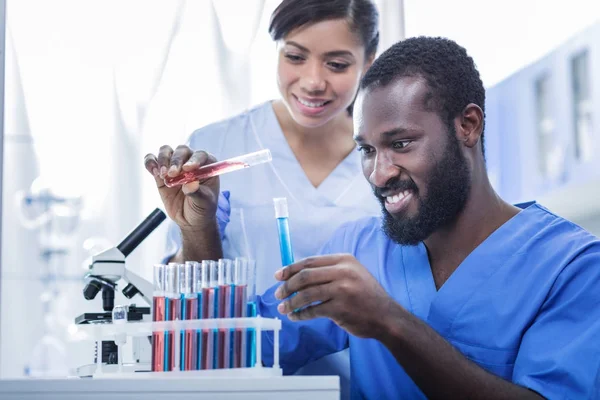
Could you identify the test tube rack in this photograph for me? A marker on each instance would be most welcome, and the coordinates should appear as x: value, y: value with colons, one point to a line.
x: 117, y: 332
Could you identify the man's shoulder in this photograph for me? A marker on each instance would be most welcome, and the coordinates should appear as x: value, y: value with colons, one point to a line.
x: 353, y: 235
x: 564, y: 233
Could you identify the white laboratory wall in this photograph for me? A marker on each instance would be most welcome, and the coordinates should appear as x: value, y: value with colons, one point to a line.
x: 91, y: 88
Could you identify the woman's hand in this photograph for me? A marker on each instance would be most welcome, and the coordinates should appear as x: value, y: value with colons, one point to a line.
x: 193, y: 205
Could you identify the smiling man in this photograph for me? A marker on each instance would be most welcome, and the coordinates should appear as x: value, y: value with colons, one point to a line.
x: 453, y: 293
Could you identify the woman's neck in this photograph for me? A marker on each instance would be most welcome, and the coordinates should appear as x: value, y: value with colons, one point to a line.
x: 318, y: 150
x: 335, y: 135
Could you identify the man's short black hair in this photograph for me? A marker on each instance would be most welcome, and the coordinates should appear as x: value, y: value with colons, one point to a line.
x: 446, y: 67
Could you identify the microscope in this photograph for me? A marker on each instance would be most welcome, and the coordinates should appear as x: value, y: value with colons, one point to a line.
x: 106, y: 269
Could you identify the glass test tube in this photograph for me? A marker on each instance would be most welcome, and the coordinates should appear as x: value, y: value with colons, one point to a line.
x: 225, y: 280
x: 240, y: 280
x: 251, y: 311
x: 158, y: 314
x: 189, y: 310
x: 285, y: 242
x: 198, y: 284
x: 209, y: 281
x: 173, y: 307
x: 220, y: 167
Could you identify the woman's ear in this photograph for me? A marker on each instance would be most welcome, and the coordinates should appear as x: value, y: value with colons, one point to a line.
x: 368, y: 63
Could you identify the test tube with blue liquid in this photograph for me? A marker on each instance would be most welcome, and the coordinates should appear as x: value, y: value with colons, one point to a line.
x: 158, y: 314
x: 173, y: 312
x: 189, y: 311
x: 240, y: 310
x: 251, y: 311
x: 283, y: 228
x: 199, y: 281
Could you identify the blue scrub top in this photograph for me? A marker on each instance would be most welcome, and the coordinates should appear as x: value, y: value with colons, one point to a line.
x: 524, y: 305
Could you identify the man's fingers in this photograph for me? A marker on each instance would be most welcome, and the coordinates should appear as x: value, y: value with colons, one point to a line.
x: 307, y: 263
x: 311, y: 312
x: 306, y: 278
x: 306, y: 297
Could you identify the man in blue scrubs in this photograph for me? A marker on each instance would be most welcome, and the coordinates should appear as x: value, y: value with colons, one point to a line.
x: 452, y: 293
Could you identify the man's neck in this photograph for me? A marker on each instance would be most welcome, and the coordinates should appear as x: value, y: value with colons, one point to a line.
x: 483, y: 213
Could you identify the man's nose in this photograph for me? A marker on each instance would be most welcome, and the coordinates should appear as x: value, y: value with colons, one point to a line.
x: 384, y: 170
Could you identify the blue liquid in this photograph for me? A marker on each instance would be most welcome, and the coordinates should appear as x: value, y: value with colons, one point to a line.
x: 231, y: 331
x: 285, y: 242
x: 251, y: 337
x: 182, y: 337
x: 167, y: 361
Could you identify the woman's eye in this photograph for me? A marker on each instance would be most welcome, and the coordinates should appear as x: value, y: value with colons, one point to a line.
x: 365, y: 149
x: 401, y: 144
x: 337, y: 66
x: 294, y: 58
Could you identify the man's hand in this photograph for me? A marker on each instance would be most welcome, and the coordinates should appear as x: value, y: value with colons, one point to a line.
x: 343, y: 290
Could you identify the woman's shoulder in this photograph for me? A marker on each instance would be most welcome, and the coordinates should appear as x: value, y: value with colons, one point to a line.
x: 237, y: 124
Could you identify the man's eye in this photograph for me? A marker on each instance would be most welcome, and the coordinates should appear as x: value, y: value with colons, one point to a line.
x: 400, y: 144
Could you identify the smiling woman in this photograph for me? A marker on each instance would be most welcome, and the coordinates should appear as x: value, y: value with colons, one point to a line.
x: 323, y: 49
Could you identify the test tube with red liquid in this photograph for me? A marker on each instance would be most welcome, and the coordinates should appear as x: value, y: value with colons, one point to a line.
x: 220, y: 167
x: 240, y: 301
x: 158, y: 314
x: 173, y: 307
x: 189, y: 310
x: 209, y: 271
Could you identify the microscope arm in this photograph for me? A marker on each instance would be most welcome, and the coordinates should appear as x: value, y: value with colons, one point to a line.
x: 110, y: 264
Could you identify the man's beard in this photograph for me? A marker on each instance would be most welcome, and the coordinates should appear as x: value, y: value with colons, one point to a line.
x: 447, y: 192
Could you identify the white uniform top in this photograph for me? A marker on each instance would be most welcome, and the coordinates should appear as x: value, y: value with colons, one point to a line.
x: 314, y: 213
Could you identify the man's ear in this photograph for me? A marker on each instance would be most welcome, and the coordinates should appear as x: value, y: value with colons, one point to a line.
x: 470, y: 125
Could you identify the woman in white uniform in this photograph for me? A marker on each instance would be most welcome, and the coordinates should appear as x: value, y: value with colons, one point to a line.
x: 324, y: 48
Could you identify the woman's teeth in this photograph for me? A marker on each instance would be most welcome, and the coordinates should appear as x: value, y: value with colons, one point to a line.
x: 397, y: 197
x: 311, y: 104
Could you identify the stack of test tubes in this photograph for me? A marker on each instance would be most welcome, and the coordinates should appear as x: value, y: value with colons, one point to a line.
x: 206, y: 290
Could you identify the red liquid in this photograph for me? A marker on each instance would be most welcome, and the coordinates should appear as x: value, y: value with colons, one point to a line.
x: 208, y: 308
x: 174, y: 314
x: 158, y: 338
x: 205, y: 172
x: 239, y: 334
x: 224, y: 337
x: 190, y: 345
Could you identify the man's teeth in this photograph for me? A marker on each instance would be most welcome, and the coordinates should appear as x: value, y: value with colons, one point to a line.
x: 310, y: 104
x: 397, y: 197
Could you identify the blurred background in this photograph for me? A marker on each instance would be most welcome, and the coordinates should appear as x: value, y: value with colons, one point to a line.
x: 93, y: 86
